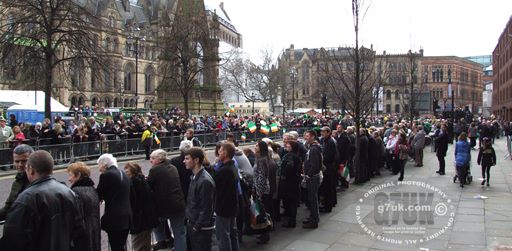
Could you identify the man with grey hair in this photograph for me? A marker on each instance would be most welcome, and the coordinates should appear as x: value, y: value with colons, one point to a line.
x: 20, y: 157
x: 164, y: 181
x: 114, y: 189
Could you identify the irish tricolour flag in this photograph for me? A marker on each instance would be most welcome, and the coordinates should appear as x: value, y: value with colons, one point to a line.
x: 251, y: 126
x: 264, y: 129
x: 274, y: 127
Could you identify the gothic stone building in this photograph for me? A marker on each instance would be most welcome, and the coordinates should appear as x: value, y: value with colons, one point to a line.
x: 135, y: 62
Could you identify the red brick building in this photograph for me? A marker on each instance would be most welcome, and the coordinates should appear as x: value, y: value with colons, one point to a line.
x: 502, y: 69
x: 466, y: 78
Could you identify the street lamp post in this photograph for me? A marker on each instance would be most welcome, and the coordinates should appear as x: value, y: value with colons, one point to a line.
x: 135, y: 38
x: 293, y: 77
x: 252, y: 97
x: 450, y: 89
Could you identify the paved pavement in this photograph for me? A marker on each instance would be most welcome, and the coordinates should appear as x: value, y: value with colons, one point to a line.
x: 478, y: 223
x: 475, y: 217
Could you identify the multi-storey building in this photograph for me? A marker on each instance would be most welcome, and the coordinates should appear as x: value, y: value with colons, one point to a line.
x: 502, y: 71
x: 135, y: 76
x: 400, y: 78
x: 465, y: 77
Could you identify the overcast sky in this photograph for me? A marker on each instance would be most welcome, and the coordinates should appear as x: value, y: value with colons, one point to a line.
x: 440, y: 27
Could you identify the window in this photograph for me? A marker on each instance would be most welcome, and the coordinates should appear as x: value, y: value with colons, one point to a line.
x: 388, y: 108
x: 111, y: 22
x: 397, y: 94
x: 305, y: 71
x: 108, y: 102
x: 148, y: 80
x: 76, y: 72
x: 94, y: 101
x: 397, y: 108
x: 128, y: 79
x: 388, y: 95
x: 108, y: 79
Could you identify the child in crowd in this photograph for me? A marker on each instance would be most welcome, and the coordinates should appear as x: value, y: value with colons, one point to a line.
x: 487, y: 158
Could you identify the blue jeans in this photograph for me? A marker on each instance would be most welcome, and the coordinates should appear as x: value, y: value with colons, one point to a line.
x: 178, y: 230
x: 227, y: 234
x: 312, y: 185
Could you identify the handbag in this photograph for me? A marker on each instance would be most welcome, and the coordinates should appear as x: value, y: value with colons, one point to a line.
x: 260, y: 219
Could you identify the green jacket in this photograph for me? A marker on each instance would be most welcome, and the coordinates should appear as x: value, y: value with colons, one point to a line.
x: 20, y: 183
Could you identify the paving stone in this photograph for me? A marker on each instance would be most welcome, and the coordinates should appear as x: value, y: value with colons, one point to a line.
x: 468, y: 238
x: 302, y: 245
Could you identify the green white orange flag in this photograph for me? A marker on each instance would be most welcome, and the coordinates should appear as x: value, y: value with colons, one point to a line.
x: 274, y: 127
x: 251, y: 126
x: 243, y: 137
x: 264, y: 129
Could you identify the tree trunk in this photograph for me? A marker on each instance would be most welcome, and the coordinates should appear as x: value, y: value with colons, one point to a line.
x: 185, y: 102
x: 48, y: 86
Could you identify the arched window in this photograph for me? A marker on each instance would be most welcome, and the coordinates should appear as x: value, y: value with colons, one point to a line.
x: 126, y: 103
x: 149, y: 79
x: 76, y: 73
x: 116, y: 102
x: 200, y: 75
x: 397, y: 94
x: 397, y: 108
x: 73, y: 101
x: 132, y: 103
x: 111, y: 22
x: 80, y: 101
x: 128, y: 78
x: 107, y: 43
x: 108, y: 79
x: 108, y: 102
x: 94, y: 101
x: 305, y: 71
x: 388, y: 95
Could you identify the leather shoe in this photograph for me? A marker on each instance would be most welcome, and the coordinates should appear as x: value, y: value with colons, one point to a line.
x: 310, y: 225
x: 306, y: 221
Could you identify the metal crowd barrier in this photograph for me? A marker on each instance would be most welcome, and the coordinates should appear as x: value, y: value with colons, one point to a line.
x: 68, y: 151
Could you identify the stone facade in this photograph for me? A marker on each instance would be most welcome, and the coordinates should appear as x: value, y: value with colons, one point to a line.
x: 466, y: 79
x: 502, y: 69
x: 395, y: 73
x: 133, y: 83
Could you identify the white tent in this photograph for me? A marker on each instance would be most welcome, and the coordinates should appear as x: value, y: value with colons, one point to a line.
x: 26, y: 100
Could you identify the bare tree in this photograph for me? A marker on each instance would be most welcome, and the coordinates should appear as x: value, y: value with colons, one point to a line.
x: 189, y: 55
x: 261, y: 82
x: 350, y: 72
x: 39, y: 39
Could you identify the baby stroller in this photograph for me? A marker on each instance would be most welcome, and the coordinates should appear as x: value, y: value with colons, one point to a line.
x: 469, y: 177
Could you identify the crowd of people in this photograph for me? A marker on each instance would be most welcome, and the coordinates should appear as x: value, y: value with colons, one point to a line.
x: 186, y: 200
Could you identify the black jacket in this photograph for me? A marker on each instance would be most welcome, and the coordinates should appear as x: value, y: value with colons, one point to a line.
x: 291, y: 167
x: 442, y: 144
x: 46, y: 216
x: 20, y: 183
x: 114, y: 189
x: 200, y: 201
x: 486, y: 156
x: 343, y: 145
x: 226, y: 199
x: 164, y: 181
x: 185, y: 174
x: 143, y: 205
x: 313, y: 160
x: 90, y: 204
x: 330, y: 153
